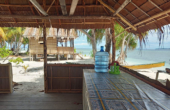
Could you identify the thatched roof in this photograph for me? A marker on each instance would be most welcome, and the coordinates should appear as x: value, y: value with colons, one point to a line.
x: 51, y: 32
x: 136, y: 16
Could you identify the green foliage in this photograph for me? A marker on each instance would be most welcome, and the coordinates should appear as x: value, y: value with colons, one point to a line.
x: 99, y: 33
x: 91, y: 54
x: 17, y: 60
x: 25, y: 41
x: 2, y: 34
x: 74, y: 50
x: 4, y: 52
x: 27, y: 53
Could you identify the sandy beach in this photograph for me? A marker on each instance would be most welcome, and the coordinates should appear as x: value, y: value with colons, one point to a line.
x: 33, y: 80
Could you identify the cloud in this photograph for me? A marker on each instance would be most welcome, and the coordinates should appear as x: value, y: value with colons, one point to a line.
x: 81, y: 44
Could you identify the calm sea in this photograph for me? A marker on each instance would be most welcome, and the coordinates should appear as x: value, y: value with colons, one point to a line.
x: 141, y: 56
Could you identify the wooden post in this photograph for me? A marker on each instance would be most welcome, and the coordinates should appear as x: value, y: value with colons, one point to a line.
x: 73, y: 42
x: 113, y: 41
x: 45, y: 56
x: 157, y: 75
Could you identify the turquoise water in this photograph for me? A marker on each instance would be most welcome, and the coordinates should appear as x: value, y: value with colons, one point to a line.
x: 141, y: 56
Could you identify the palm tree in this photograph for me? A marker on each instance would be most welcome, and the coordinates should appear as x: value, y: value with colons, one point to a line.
x: 125, y: 42
x: 94, y: 36
x: 15, y: 37
x: 3, y: 37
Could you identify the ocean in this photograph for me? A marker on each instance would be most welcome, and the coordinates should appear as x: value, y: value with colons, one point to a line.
x: 135, y: 57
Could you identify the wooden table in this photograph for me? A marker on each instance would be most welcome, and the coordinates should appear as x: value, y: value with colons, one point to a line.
x: 104, y: 91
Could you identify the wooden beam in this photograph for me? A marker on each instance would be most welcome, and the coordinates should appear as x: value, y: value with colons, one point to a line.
x: 113, y: 41
x: 121, y: 7
x: 56, y: 3
x: 63, y: 7
x: 155, y: 5
x: 45, y: 55
x: 152, y: 17
x: 140, y: 9
x: 122, y: 18
x: 50, y: 6
x: 60, y: 23
x: 36, y: 9
x: 11, y: 14
x: 73, y: 6
x: 57, y: 17
x: 33, y: 12
x: 106, y: 11
x: 78, y: 6
x: 127, y: 10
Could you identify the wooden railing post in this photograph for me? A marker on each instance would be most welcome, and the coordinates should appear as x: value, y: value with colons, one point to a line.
x: 45, y: 56
x: 113, y: 41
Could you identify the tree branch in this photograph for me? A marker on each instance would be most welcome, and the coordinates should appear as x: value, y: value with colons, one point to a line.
x: 84, y: 32
x: 120, y: 34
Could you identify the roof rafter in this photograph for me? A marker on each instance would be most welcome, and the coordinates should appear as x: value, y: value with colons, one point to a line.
x: 121, y: 17
x: 155, y: 5
x: 121, y: 7
x: 33, y: 12
x: 73, y: 6
x: 63, y: 7
x: 141, y: 9
x: 153, y: 17
x: 11, y: 14
x: 56, y: 3
x: 127, y: 10
x: 50, y: 6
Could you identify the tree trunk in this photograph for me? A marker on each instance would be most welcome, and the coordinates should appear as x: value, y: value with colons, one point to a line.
x: 108, y: 40
x: 28, y: 48
x: 121, y: 58
x: 127, y: 43
x: 11, y: 45
x: 18, y: 47
x: 94, y: 42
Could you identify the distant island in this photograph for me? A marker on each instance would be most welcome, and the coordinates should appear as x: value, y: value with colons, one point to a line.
x: 162, y: 49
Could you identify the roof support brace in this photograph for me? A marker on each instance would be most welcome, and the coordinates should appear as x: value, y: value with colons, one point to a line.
x: 122, y: 18
x: 121, y: 7
x: 63, y: 7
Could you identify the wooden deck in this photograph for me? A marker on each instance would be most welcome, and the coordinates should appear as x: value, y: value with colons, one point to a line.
x: 40, y: 101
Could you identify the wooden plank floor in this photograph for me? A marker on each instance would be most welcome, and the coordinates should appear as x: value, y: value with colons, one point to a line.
x: 41, y: 101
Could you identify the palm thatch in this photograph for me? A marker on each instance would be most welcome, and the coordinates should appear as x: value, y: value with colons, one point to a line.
x: 51, y: 32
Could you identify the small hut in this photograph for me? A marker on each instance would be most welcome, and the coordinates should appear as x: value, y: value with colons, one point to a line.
x: 54, y: 37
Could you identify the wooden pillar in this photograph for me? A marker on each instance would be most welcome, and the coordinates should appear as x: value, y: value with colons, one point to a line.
x: 45, y: 55
x: 113, y: 41
x: 73, y: 42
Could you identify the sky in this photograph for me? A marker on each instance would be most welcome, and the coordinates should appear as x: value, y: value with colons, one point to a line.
x: 152, y: 42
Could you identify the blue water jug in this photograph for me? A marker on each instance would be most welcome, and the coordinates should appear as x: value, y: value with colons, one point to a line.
x: 101, y: 61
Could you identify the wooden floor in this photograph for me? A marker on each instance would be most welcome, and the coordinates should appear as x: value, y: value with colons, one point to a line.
x: 40, y: 101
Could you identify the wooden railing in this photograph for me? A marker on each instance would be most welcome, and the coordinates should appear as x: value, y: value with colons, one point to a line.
x: 66, y: 78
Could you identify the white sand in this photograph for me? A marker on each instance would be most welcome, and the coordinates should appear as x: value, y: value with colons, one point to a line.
x: 33, y: 80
